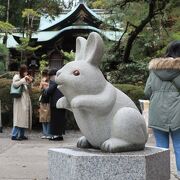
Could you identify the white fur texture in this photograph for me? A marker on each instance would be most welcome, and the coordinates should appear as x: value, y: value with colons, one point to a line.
x: 107, y: 117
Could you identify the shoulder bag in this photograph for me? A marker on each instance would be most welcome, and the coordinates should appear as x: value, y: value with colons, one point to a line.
x: 16, y: 92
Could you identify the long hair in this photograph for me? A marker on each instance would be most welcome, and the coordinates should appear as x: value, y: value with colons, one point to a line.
x: 173, y: 49
x: 52, y: 72
x: 22, y: 70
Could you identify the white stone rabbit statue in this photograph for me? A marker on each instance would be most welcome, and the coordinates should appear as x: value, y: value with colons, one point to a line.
x: 107, y: 117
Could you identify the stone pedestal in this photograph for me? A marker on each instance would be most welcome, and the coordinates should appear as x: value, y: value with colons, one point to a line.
x: 89, y: 164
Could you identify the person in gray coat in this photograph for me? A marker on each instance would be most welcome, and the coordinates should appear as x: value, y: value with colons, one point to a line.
x: 163, y: 90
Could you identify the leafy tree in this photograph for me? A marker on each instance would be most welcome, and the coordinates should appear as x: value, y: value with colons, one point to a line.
x: 68, y: 56
x: 3, y: 54
x: 30, y: 15
x: 153, y: 9
x: 6, y: 27
x: 98, y: 4
x: 141, y: 19
x: 2, y: 11
x: 43, y: 63
x: 148, y: 26
x: 26, y: 49
x: 50, y: 7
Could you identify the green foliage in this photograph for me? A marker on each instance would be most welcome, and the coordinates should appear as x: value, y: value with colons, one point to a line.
x: 25, y: 47
x: 3, y: 50
x: 2, y: 67
x: 150, y: 42
x: 111, y: 58
x: 6, y: 100
x: 68, y: 56
x: 3, y: 54
x: 30, y: 13
x: 2, y: 11
x: 51, y: 7
x: 133, y: 73
x: 98, y: 4
x: 6, y: 27
x: 43, y: 63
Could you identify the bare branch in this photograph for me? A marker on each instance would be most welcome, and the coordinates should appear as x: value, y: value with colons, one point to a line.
x: 119, y: 42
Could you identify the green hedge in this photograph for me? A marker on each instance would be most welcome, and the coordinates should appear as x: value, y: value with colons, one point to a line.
x: 133, y: 73
x: 6, y: 101
x: 133, y: 91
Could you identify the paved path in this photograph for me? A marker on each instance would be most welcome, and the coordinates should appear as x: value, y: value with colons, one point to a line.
x: 27, y: 160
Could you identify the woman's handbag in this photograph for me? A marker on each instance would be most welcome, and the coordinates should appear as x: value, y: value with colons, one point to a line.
x: 16, y: 92
x: 44, y: 112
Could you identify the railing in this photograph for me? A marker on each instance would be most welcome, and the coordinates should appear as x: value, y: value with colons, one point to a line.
x: 2, y: 75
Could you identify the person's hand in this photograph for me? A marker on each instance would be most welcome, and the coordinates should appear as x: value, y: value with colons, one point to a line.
x: 28, y: 79
x: 44, y: 85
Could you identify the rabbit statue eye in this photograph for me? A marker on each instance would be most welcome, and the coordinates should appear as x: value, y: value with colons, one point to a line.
x: 76, y: 73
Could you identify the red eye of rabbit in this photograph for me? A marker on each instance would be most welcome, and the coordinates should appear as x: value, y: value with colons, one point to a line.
x: 76, y: 73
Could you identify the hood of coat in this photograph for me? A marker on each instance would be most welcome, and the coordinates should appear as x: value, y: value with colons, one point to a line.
x: 165, y: 68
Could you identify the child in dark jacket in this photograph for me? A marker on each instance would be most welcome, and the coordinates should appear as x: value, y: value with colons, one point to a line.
x: 57, y: 120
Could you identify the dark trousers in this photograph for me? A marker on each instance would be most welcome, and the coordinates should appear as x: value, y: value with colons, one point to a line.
x: 57, y: 122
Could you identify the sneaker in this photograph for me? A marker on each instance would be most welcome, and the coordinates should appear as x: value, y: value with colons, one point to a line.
x: 23, y: 137
x: 56, y: 138
x: 48, y: 137
x: 14, y: 138
x: 43, y: 137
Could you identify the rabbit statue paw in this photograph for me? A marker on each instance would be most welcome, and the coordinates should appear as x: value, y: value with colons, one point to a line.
x: 83, y: 143
x: 63, y: 103
x: 75, y: 103
x: 114, y: 145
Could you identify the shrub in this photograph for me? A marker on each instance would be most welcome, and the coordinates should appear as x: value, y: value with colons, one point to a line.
x: 6, y: 101
x: 2, y: 67
x: 133, y: 73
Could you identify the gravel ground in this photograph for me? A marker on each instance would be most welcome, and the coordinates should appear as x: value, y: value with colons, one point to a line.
x: 27, y: 160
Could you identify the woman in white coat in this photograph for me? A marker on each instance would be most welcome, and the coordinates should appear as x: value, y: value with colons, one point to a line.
x: 22, y: 110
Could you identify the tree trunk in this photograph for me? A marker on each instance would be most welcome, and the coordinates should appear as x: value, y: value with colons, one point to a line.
x: 6, y: 35
x: 137, y: 30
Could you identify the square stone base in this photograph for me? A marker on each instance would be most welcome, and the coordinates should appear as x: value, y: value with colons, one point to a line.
x: 90, y: 164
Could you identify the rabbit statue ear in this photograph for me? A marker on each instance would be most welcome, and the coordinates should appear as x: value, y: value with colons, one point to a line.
x: 80, y: 48
x: 94, y: 49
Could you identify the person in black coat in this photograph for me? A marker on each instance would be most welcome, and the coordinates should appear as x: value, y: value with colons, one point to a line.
x: 57, y: 119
